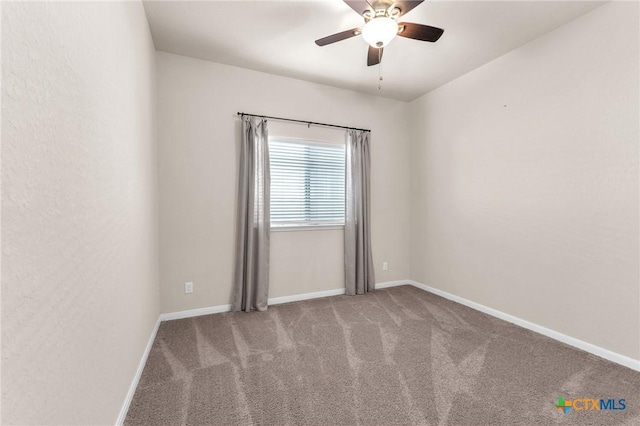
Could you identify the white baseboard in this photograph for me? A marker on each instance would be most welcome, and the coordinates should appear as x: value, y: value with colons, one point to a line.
x: 325, y: 293
x: 272, y: 301
x: 195, y: 312
x: 624, y: 360
x: 305, y: 296
x: 136, y: 378
x: 388, y: 284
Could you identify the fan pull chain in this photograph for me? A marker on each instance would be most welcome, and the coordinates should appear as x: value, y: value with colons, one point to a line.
x: 379, y: 69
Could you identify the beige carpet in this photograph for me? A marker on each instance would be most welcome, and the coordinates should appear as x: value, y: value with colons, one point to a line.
x: 398, y: 356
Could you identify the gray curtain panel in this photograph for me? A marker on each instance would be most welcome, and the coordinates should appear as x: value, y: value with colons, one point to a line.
x: 359, y: 273
x: 251, y: 281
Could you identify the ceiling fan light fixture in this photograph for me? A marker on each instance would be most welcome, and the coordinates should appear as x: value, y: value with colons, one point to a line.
x: 379, y: 31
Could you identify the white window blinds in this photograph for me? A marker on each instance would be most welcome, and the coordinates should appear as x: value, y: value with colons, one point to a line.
x: 307, y: 183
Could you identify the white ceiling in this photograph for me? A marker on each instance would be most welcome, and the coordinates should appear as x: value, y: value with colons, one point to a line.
x: 278, y: 37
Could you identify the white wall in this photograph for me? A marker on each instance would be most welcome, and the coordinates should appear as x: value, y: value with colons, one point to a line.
x: 198, y: 155
x: 1, y: 191
x: 79, y: 208
x: 525, y: 182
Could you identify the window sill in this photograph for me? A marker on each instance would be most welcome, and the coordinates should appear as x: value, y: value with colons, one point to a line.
x: 288, y: 228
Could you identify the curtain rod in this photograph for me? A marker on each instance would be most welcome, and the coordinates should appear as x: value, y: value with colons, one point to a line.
x: 309, y: 123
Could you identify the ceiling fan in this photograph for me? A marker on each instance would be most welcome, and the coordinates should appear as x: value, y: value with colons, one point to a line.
x: 381, y: 26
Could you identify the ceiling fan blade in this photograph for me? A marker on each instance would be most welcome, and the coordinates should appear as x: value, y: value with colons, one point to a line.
x: 338, y: 37
x: 406, y: 6
x: 419, y: 31
x: 360, y: 6
x: 374, y: 56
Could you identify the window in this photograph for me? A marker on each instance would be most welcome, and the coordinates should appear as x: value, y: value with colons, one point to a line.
x: 307, y: 183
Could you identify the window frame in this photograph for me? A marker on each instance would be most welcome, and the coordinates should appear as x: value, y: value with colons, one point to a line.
x: 308, y: 225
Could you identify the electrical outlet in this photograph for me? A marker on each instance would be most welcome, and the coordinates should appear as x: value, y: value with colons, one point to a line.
x: 188, y: 287
x: 385, y: 266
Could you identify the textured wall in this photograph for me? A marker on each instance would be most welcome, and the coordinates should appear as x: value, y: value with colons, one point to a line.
x: 198, y: 140
x: 525, y: 182
x: 79, y: 208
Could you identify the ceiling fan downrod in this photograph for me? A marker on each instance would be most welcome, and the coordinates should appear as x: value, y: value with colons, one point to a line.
x: 379, y: 69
